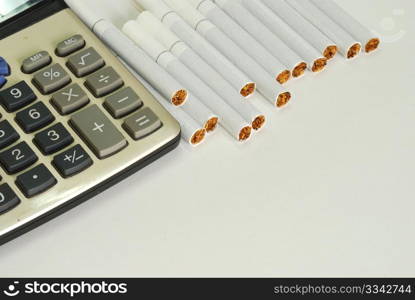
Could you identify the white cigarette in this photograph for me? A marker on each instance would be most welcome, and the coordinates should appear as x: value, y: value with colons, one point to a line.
x: 217, y: 60
x: 196, y: 109
x: 297, y: 22
x: 314, y: 59
x: 350, y: 24
x: 261, y: 33
x: 265, y: 83
x: 243, y: 39
x: 348, y: 46
x: 234, y: 123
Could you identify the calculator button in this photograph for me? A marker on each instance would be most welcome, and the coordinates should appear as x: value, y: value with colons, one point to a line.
x: 3, y: 81
x: 70, y: 45
x: 85, y: 62
x: 98, y: 132
x: 34, y: 117
x: 17, y: 158
x: 4, y: 67
x: 70, y: 99
x: 17, y: 96
x: 72, y: 161
x: 35, y: 181
x: 51, y: 79
x: 53, y: 139
x: 142, y: 123
x: 8, y: 199
x: 104, y: 82
x: 36, y: 62
x: 122, y: 103
x: 7, y: 134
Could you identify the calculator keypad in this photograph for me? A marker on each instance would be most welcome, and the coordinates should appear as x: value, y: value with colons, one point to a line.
x: 17, y: 96
x: 34, y: 117
x: 17, y: 158
x: 104, y: 82
x: 8, y: 135
x: 70, y: 45
x: 85, y: 62
x: 35, y: 181
x: 51, y: 79
x: 142, y: 123
x: 8, y: 198
x: 36, y: 62
x: 72, y: 161
x: 123, y: 103
x: 53, y: 139
x: 70, y: 99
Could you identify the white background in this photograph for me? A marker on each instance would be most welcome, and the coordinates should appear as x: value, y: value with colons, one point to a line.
x: 326, y: 190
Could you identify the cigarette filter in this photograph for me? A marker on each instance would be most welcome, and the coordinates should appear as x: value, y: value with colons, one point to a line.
x: 217, y: 60
x: 197, y: 109
x: 314, y: 59
x: 169, y: 87
x: 349, y: 23
x: 262, y: 34
x: 298, y: 23
x: 234, y: 123
x: 203, y: 70
x: 348, y: 46
x: 243, y: 39
x: 265, y: 84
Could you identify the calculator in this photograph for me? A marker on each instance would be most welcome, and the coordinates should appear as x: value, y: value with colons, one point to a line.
x: 74, y: 121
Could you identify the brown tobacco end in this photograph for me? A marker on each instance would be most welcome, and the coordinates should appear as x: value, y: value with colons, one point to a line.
x: 330, y: 52
x: 372, y: 45
x: 245, y: 133
x: 198, y: 137
x: 319, y: 64
x: 212, y: 124
x: 284, y: 76
x: 258, y: 122
x: 354, y: 50
x: 248, y: 89
x: 283, y: 99
x: 179, y: 97
x: 299, y: 69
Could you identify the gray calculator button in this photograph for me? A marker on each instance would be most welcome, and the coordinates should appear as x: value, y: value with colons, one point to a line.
x: 103, y: 82
x: 122, y: 103
x: 98, y: 132
x: 36, y: 62
x: 85, y: 62
x: 51, y: 79
x: 70, y: 99
x: 70, y: 45
x: 142, y: 124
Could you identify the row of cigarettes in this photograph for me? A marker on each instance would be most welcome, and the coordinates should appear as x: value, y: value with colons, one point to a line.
x: 208, y: 57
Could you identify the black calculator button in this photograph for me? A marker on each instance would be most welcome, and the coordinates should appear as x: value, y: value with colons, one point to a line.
x: 17, y: 96
x: 35, y: 181
x: 8, y: 199
x: 7, y: 134
x: 17, y: 158
x: 72, y: 161
x: 53, y: 139
x: 34, y: 117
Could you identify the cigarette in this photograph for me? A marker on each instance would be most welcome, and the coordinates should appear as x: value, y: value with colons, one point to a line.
x: 300, y: 25
x: 350, y: 24
x: 230, y: 119
x: 278, y: 96
x: 265, y: 84
x: 315, y: 60
x: 241, y: 82
x: 266, y: 37
x: 196, y: 109
x: 348, y: 45
x: 243, y: 39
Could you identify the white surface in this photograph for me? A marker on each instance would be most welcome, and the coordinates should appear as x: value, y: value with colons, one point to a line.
x: 326, y: 190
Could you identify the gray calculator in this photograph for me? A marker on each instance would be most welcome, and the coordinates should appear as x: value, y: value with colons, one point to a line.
x: 73, y: 121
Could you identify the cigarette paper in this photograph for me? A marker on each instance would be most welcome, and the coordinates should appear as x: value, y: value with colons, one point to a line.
x: 234, y: 123
x: 241, y: 82
x: 297, y: 22
x: 263, y: 35
x: 196, y: 109
x: 349, y: 23
x: 265, y: 84
x: 348, y: 46
x: 314, y: 59
x: 134, y: 56
x: 243, y: 39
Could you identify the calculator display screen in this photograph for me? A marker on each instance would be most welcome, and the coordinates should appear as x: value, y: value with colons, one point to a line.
x: 11, y: 8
